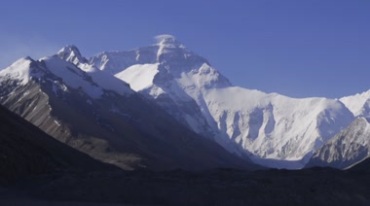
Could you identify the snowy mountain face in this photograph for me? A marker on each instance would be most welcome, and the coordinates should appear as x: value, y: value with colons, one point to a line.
x: 170, y: 74
x: 272, y: 129
x: 350, y: 146
x: 358, y: 104
x: 113, y: 92
x: 94, y: 112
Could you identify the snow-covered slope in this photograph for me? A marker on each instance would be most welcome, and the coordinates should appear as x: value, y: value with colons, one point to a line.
x: 350, y: 146
x: 100, y: 78
x: 19, y: 70
x: 347, y: 148
x: 272, y: 129
x: 358, y: 104
x: 80, y: 76
x: 140, y: 76
x: 273, y: 126
x: 96, y: 113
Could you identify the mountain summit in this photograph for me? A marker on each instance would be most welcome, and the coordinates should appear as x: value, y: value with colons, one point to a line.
x: 169, y: 41
x: 72, y: 54
x: 272, y: 129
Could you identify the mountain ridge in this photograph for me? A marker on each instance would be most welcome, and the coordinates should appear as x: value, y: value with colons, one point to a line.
x: 184, y: 78
x: 75, y: 106
x: 272, y: 129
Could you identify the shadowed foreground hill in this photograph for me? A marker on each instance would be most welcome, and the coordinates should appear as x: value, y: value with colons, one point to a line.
x: 26, y: 150
x: 318, y: 186
x: 363, y: 167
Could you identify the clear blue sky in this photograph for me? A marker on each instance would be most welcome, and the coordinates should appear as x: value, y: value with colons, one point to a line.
x: 295, y: 47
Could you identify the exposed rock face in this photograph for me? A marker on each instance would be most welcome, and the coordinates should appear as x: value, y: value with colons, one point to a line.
x: 26, y: 150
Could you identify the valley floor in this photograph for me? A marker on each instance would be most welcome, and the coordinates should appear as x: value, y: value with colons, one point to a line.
x: 214, y: 187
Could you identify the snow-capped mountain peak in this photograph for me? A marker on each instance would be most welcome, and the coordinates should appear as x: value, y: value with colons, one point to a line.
x: 71, y: 54
x: 69, y: 65
x: 269, y: 126
x: 169, y: 41
x: 169, y: 48
x: 21, y: 70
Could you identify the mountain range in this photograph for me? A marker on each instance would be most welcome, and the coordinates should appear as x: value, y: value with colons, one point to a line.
x: 164, y: 107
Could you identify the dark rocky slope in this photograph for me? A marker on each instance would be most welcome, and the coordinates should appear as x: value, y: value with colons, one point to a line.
x: 26, y: 150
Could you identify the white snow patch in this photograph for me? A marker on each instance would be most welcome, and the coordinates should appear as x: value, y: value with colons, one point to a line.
x: 139, y: 76
x: 155, y: 91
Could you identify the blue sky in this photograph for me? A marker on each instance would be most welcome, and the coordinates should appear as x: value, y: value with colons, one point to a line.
x: 299, y: 48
